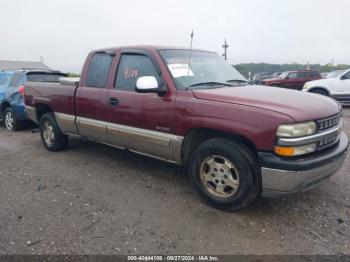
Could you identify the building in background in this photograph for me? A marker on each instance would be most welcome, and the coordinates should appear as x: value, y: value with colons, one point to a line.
x: 10, y: 64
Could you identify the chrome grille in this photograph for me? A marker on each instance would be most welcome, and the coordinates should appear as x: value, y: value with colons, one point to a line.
x: 328, y: 141
x: 328, y: 123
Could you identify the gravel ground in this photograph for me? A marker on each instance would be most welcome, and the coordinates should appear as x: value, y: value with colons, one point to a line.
x: 94, y: 199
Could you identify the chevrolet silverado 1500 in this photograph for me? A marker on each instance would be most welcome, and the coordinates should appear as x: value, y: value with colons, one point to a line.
x: 239, y: 141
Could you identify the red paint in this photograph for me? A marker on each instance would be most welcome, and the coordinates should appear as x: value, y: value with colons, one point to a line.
x: 294, y: 83
x: 253, y: 112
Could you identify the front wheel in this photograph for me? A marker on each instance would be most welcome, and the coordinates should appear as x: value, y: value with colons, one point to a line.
x: 51, y: 136
x: 225, y: 173
x: 11, y: 122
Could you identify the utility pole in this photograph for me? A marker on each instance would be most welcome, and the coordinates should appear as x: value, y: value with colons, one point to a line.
x: 225, y: 46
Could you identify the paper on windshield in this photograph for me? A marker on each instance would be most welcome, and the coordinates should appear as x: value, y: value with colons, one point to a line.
x: 179, y: 70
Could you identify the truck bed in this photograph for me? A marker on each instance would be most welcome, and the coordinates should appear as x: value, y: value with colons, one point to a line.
x: 59, y: 96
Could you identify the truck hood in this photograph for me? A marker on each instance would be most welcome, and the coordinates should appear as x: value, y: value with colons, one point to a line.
x: 300, y: 106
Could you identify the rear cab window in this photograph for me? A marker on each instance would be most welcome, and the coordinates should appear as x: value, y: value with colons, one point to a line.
x: 98, y: 71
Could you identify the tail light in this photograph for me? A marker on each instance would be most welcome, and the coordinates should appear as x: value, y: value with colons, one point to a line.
x: 21, y: 90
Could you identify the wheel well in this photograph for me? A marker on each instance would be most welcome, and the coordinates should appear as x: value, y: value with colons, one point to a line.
x: 4, y: 105
x: 42, y: 109
x: 319, y: 88
x: 196, y: 137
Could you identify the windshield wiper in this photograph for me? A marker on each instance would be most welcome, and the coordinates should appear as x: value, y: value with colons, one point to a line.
x: 210, y: 84
x: 239, y: 81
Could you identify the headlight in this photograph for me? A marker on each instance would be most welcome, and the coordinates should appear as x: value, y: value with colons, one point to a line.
x: 296, y: 130
x: 306, y: 86
x: 295, y: 150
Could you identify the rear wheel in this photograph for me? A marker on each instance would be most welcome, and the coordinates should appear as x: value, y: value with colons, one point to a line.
x: 51, y: 136
x: 10, y: 120
x: 225, y: 173
x: 320, y: 92
x: 276, y: 85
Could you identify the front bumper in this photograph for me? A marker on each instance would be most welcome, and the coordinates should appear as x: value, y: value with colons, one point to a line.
x: 283, y: 176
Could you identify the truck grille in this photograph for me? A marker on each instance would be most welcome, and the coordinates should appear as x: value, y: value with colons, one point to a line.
x: 324, y: 124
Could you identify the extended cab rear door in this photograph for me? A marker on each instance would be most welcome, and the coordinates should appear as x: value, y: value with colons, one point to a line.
x: 92, y: 109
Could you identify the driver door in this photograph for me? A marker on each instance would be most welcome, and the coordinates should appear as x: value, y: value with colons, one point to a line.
x: 291, y: 81
x: 143, y: 122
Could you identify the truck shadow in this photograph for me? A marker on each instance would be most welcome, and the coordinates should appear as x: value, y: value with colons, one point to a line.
x: 174, y: 181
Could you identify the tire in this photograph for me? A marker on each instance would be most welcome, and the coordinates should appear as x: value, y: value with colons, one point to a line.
x: 319, y: 92
x: 51, y: 136
x: 275, y: 85
x: 11, y: 122
x: 240, y: 166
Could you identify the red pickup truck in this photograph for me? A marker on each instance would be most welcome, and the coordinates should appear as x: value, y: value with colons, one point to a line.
x: 239, y: 141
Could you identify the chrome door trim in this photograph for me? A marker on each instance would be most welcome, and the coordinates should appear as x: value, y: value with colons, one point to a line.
x: 66, y: 123
x: 141, y: 135
x: 156, y: 144
x: 91, y: 128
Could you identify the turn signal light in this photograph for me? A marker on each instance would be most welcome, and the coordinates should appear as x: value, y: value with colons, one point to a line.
x: 284, y: 151
x: 295, y: 151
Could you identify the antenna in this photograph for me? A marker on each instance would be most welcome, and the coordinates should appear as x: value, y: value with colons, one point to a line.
x: 189, y: 59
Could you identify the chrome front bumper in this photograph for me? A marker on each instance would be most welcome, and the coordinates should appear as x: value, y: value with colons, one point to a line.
x: 298, y: 176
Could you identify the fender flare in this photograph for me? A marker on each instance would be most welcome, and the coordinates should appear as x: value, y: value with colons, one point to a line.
x: 320, y: 87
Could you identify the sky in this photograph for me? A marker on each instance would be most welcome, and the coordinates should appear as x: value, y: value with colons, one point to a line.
x: 62, y: 32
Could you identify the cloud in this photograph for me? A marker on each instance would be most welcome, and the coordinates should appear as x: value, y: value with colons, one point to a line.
x: 63, y: 32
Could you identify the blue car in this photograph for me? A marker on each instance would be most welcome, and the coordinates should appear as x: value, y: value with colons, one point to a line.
x: 12, y: 90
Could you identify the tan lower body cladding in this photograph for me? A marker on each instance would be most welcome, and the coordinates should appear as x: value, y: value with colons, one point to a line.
x: 148, y: 142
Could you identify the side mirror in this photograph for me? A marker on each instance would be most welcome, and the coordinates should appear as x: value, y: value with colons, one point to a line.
x: 147, y: 84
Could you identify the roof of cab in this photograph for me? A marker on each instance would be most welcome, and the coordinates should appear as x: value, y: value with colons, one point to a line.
x: 148, y: 48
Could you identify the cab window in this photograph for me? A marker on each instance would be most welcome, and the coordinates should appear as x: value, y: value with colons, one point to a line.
x: 97, y: 75
x: 292, y: 76
x: 346, y: 76
x: 131, y: 67
x: 302, y: 74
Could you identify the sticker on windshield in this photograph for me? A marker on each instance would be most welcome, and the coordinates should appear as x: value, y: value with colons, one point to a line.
x: 179, y: 70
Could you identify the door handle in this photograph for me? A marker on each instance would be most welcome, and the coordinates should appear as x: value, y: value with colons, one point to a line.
x: 113, y: 101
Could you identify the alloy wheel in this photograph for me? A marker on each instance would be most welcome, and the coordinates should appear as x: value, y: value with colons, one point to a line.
x: 219, y: 176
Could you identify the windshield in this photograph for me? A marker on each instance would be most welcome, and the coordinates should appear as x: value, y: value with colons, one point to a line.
x: 205, y: 70
x: 335, y: 74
